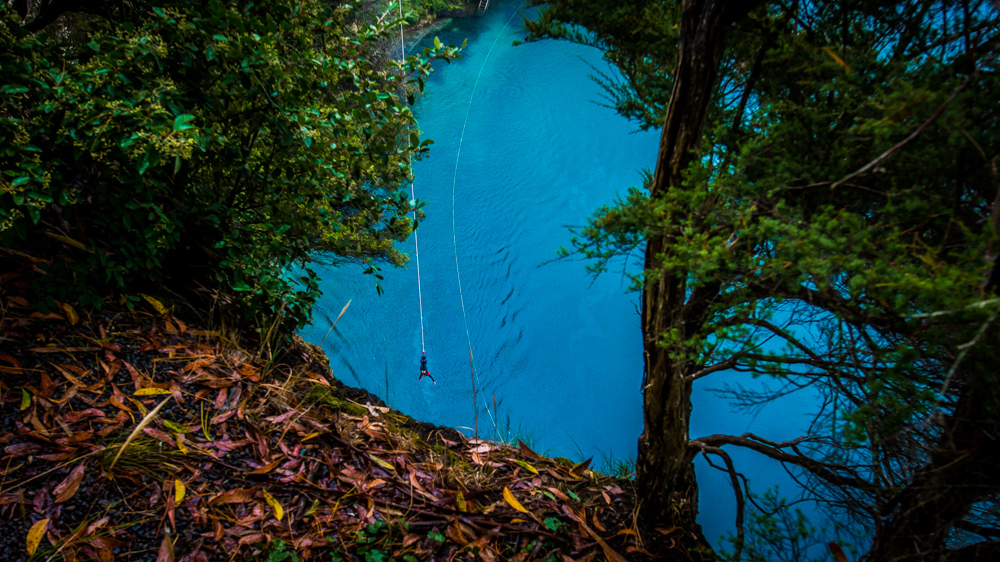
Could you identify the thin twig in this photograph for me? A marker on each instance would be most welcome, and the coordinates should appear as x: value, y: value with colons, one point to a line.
x: 979, y: 304
x: 965, y: 347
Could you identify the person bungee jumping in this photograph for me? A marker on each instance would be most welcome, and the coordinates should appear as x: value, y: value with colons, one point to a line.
x: 423, y: 368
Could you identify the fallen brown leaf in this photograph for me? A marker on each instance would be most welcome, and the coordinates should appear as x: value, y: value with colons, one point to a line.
x: 68, y: 487
x: 597, y: 524
x: 267, y: 467
x: 239, y: 495
x: 166, y: 553
x: 609, y: 552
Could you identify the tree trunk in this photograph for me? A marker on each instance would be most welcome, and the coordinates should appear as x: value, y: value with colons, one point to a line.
x: 664, y: 473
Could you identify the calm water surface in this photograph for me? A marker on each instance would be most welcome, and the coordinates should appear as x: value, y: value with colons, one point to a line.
x: 559, y: 351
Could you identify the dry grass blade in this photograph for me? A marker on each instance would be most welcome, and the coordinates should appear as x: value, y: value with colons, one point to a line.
x: 334, y: 325
x: 142, y: 424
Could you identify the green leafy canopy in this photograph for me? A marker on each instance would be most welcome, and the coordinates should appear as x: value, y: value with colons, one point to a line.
x: 824, y: 211
x: 219, y: 142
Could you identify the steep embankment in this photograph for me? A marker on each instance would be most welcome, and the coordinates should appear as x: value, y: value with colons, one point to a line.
x: 142, y: 436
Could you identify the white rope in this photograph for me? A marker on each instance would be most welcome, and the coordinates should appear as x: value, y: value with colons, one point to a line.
x: 454, y: 231
x: 420, y: 296
x: 413, y: 198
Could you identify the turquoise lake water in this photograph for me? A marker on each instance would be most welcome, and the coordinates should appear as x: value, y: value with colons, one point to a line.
x: 559, y: 351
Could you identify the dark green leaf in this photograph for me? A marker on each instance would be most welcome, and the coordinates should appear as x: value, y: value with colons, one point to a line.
x: 181, y: 122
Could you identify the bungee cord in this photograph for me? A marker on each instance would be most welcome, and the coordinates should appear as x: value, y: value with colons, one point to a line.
x: 413, y: 200
x: 454, y: 230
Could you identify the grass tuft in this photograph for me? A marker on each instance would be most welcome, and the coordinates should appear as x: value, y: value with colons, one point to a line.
x: 146, y: 420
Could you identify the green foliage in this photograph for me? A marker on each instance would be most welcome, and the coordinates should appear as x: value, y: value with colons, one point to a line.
x: 277, y: 553
x: 376, y: 539
x: 617, y: 466
x: 553, y: 523
x: 771, y: 216
x: 776, y: 531
x: 370, y: 534
x: 224, y: 142
x: 508, y: 433
x: 838, y: 226
x: 423, y: 10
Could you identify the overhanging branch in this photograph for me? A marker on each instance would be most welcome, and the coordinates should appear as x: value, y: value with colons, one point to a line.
x: 734, y: 479
x: 838, y: 475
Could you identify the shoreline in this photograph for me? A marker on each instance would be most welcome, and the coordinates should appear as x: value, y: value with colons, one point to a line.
x: 414, y: 34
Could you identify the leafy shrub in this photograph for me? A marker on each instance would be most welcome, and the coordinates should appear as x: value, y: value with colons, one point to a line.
x: 223, y: 143
x: 278, y: 553
x: 419, y: 10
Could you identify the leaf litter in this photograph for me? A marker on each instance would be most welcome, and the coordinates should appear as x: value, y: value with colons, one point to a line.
x: 139, y: 436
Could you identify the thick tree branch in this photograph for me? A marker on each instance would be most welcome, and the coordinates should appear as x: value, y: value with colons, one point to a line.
x: 727, y: 364
x: 838, y: 475
x: 734, y: 479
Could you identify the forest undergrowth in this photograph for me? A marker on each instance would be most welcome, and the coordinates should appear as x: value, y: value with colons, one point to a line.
x: 139, y: 435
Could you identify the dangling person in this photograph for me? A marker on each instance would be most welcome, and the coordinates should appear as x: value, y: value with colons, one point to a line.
x: 423, y: 368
